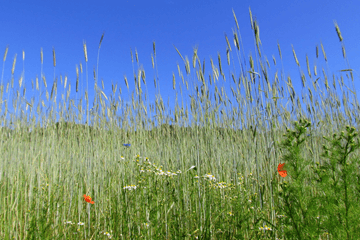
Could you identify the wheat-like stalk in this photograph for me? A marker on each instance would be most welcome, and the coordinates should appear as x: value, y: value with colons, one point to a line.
x: 44, y: 80
x: 126, y: 82
x: 323, y: 51
x: 296, y: 60
x: 279, y: 49
x: 13, y: 66
x: 338, y: 31
x: 173, y: 81
x: 5, y: 54
x: 308, y: 65
x: 236, y: 41
x: 77, y: 78
x: 54, y: 57
x: 85, y: 51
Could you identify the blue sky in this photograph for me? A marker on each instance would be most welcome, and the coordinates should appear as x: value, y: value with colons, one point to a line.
x: 64, y: 25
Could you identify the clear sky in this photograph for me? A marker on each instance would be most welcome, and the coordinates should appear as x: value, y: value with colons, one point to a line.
x: 64, y: 25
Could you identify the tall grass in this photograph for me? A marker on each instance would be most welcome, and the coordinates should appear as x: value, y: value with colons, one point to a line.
x: 204, y: 180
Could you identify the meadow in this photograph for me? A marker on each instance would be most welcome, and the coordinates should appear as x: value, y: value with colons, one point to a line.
x: 64, y: 178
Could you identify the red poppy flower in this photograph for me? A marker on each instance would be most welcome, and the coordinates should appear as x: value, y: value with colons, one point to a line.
x: 282, y: 173
x: 88, y: 199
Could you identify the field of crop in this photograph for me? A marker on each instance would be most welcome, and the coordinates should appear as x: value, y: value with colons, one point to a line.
x: 68, y: 180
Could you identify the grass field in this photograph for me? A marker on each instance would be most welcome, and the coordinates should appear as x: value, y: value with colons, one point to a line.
x: 67, y: 180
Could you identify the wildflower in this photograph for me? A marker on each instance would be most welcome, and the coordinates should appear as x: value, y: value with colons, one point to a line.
x: 265, y: 228
x: 210, y: 177
x: 168, y: 173
x: 88, y: 199
x: 282, y: 173
x: 196, y: 176
x: 131, y: 187
x: 81, y: 223
x: 268, y: 228
x: 127, y: 145
x: 220, y: 185
x: 68, y: 222
x: 107, y: 234
x: 161, y: 172
x: 230, y: 213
